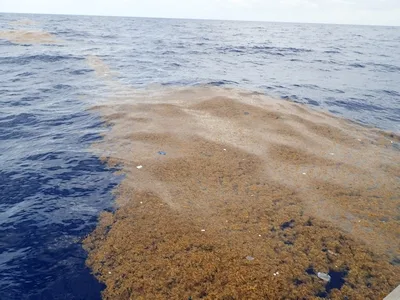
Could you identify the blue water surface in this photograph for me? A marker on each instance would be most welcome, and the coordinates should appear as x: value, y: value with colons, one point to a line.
x: 52, y: 188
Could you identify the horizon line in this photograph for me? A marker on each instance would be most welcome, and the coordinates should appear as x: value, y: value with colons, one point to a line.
x: 196, y: 19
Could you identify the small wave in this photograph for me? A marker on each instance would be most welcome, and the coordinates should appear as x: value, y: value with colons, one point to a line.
x: 25, y: 74
x: 168, y: 52
x: 80, y: 71
x: 356, y: 65
x: 385, y: 67
x: 308, y: 86
x: 231, y: 49
x: 222, y: 82
x: 17, y: 120
x: 44, y: 156
x: 391, y: 93
x: 355, y: 104
x: 27, y: 59
x: 62, y: 86
x: 312, y: 102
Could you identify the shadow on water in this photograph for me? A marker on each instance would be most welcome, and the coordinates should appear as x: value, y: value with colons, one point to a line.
x: 336, y: 282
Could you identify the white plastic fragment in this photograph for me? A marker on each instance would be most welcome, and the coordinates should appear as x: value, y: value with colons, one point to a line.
x: 139, y: 167
x: 304, y: 173
x: 324, y: 276
x: 224, y: 149
x: 332, y: 153
x: 203, y: 230
x: 276, y: 273
x: 249, y: 257
x: 109, y: 272
x: 333, y: 253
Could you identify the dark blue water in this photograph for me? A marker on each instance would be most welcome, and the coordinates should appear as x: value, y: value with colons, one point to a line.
x: 52, y: 188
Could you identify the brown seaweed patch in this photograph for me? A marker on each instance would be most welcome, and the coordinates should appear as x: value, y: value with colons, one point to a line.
x: 230, y: 108
x: 30, y: 37
x: 291, y: 155
x: 239, y: 207
x: 328, y: 131
x: 375, y: 222
x: 149, y: 251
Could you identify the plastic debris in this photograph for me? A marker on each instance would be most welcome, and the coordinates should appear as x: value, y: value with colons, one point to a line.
x: 162, y: 153
x: 139, y: 167
x: 332, y: 153
x: 304, y: 173
x: 246, y: 113
x: 224, y: 149
x: 324, y: 276
x: 203, y: 230
x: 333, y: 253
x: 250, y: 258
x: 109, y: 272
x: 276, y: 273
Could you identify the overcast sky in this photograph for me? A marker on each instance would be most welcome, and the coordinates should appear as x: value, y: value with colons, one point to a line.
x: 378, y: 12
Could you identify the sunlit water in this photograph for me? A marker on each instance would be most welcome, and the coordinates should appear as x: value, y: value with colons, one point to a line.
x: 52, y: 188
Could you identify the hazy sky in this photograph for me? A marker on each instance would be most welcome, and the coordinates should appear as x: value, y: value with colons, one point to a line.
x: 379, y: 12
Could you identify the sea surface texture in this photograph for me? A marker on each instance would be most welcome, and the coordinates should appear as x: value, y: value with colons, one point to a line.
x: 53, y: 188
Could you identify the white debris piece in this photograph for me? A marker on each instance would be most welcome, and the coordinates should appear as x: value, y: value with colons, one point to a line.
x: 139, y: 167
x: 324, y: 276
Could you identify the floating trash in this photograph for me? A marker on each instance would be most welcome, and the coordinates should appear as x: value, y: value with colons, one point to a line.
x: 203, y: 230
x: 246, y: 113
x: 324, y: 276
x: 250, y: 258
x: 162, y: 153
x: 139, y: 167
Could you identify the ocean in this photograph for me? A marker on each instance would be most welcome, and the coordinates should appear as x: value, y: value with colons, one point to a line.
x: 53, y: 187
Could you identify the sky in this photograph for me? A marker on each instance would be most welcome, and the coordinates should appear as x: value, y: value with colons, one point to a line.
x: 367, y: 12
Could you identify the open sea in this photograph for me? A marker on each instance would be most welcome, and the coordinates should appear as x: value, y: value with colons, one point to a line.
x: 52, y: 188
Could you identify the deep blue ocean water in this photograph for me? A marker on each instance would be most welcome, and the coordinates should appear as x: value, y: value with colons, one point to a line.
x: 52, y: 188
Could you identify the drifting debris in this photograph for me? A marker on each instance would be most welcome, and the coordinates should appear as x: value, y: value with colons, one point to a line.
x: 139, y: 167
x: 324, y: 276
x: 162, y: 153
x: 250, y: 258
